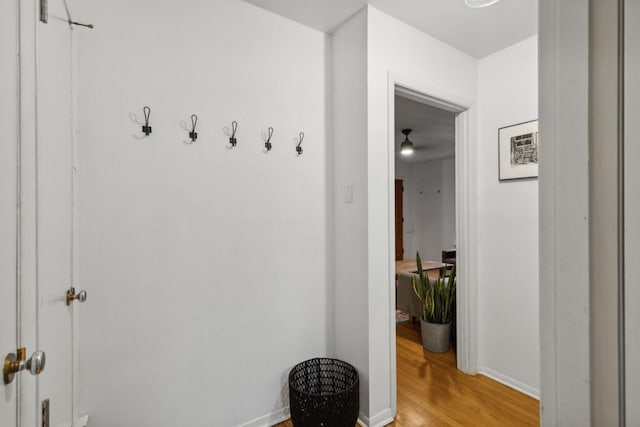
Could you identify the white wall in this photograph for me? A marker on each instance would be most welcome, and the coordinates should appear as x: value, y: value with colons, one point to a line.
x: 395, y: 47
x: 428, y: 207
x: 404, y: 171
x: 206, y: 267
x: 350, y: 302
x: 448, y: 204
x: 428, y: 210
x: 507, y: 224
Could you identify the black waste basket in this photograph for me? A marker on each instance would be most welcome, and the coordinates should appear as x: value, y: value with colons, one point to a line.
x: 324, y: 393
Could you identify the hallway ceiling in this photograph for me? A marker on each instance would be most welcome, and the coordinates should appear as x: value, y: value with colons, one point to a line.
x: 433, y: 130
x: 478, y: 32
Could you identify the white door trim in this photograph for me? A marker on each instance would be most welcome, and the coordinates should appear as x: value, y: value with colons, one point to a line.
x: 466, y: 254
x: 466, y: 295
x: 28, y: 297
x: 564, y: 212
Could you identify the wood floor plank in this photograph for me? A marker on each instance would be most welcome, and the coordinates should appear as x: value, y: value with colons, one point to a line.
x: 433, y: 392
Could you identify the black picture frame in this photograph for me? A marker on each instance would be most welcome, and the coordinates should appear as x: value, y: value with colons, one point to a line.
x: 518, y: 151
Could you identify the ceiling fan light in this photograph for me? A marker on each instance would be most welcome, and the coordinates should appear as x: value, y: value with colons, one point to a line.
x: 406, y: 148
x: 480, y: 3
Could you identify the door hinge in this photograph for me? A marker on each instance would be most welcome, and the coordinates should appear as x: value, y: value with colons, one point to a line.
x: 45, y: 413
x: 44, y: 11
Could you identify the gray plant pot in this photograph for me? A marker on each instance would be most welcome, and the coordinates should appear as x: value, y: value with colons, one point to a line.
x: 436, y: 337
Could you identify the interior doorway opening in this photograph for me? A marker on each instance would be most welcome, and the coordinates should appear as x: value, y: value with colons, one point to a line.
x: 425, y: 214
x: 425, y: 208
x: 447, y: 159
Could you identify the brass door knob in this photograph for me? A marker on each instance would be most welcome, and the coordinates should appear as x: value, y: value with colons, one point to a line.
x: 36, y: 362
x: 15, y: 362
x: 71, y: 295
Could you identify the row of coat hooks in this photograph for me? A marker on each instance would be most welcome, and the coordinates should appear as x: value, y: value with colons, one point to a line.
x: 233, y: 141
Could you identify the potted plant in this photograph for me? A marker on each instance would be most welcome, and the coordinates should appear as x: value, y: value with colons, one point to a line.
x: 437, y: 297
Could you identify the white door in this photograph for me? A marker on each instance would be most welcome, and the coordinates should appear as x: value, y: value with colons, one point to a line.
x: 54, y: 213
x: 36, y: 168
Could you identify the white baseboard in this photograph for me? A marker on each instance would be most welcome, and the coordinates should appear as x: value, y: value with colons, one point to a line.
x: 83, y: 421
x: 270, y: 419
x: 381, y: 419
x: 509, y: 382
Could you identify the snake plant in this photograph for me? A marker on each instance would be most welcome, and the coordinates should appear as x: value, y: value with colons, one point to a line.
x: 437, y: 295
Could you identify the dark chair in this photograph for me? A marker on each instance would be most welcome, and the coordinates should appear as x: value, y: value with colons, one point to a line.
x: 449, y: 256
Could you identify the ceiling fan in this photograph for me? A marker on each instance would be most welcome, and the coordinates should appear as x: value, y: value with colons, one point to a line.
x: 407, y: 147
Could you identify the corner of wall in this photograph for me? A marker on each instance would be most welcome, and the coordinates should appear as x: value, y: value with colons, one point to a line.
x: 330, y: 195
x: 351, y: 294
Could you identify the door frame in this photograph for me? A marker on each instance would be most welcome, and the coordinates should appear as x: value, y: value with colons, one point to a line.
x: 466, y: 295
x: 26, y: 265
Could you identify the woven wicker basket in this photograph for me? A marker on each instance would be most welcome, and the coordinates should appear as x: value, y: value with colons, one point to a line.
x: 324, y: 393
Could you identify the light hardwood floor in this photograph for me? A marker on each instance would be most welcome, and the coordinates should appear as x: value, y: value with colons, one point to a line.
x: 432, y: 392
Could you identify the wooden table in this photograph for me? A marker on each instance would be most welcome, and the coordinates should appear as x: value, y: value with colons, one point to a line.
x: 406, y: 300
x: 410, y: 266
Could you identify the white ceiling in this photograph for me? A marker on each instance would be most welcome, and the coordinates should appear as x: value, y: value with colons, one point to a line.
x: 478, y: 32
x: 433, y: 131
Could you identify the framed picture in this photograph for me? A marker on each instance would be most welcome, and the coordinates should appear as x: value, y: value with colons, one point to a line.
x: 518, y: 151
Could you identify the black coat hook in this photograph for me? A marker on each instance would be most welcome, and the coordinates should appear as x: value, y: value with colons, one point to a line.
x: 298, y: 147
x: 234, y: 127
x: 193, y: 134
x: 267, y: 144
x: 147, y: 113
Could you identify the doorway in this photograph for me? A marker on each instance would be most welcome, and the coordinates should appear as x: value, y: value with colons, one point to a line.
x: 425, y: 218
x: 425, y: 210
x: 465, y: 297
